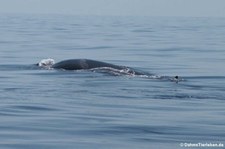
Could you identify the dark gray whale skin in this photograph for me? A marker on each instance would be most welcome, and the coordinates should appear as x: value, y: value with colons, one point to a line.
x: 78, y: 64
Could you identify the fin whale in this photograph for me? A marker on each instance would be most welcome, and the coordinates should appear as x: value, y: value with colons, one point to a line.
x: 79, y: 64
x: 88, y: 64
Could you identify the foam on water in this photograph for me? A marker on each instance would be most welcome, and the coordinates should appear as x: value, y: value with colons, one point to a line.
x: 46, y: 63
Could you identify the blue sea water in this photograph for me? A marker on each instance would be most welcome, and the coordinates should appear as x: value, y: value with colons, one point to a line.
x: 44, y: 109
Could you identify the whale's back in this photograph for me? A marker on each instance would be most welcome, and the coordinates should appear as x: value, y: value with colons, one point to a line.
x: 76, y: 64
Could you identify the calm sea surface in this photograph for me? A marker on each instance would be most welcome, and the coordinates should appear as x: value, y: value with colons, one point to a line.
x: 53, y: 109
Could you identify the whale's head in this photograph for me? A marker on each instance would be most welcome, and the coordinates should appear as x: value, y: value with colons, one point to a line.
x: 46, y: 63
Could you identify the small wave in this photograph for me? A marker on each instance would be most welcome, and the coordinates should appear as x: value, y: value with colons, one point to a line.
x: 118, y: 72
x: 132, y: 73
x: 16, y: 67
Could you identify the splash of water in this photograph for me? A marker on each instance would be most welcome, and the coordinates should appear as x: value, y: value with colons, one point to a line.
x: 46, y: 63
